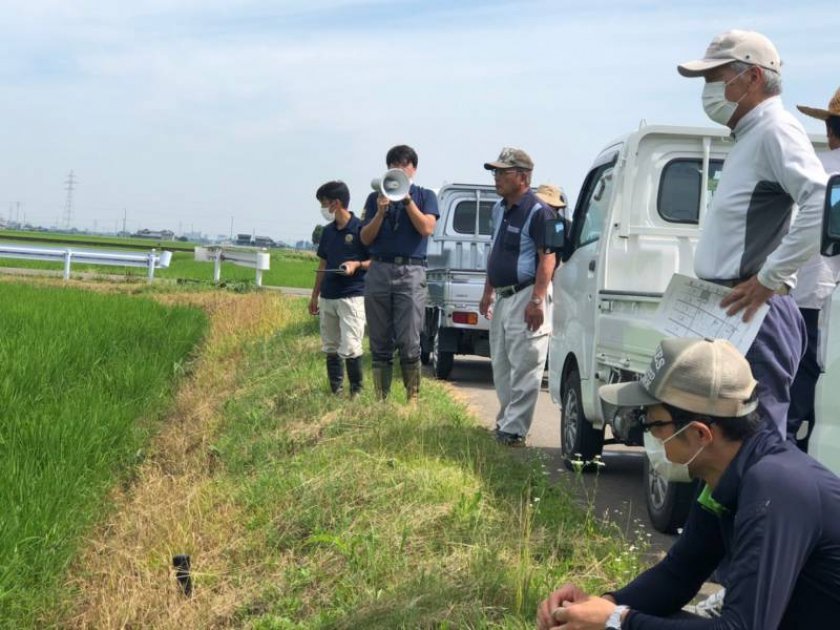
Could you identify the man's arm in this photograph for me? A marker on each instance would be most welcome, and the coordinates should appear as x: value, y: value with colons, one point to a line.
x: 376, y: 207
x: 423, y: 222
x: 316, y: 290
x: 800, y: 173
x: 670, y: 584
x: 535, y: 313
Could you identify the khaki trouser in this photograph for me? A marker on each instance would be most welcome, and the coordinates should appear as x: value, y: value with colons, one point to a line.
x: 518, y: 357
x: 342, y: 326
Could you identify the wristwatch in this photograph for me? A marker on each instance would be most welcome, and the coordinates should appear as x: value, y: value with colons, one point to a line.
x: 614, y: 620
x: 536, y: 301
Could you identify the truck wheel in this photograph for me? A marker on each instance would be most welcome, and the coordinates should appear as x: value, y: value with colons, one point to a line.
x: 441, y: 361
x: 579, y: 440
x: 668, y: 504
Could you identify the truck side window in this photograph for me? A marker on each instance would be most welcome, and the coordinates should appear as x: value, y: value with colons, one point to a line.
x: 595, y: 207
x: 464, y: 219
x: 678, y: 200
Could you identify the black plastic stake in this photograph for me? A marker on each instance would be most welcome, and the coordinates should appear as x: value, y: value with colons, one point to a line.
x: 181, y: 563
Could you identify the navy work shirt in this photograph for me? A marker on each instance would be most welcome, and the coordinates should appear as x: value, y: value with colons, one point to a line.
x: 337, y: 246
x: 775, y: 518
x: 397, y: 236
x: 517, y: 233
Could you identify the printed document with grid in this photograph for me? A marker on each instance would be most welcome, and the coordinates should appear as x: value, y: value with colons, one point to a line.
x: 690, y: 308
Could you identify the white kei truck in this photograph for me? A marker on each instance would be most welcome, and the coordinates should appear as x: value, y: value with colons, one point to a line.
x: 825, y: 440
x: 635, y: 224
x: 457, y: 257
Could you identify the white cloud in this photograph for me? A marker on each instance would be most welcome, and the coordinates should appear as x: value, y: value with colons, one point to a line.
x: 193, y: 111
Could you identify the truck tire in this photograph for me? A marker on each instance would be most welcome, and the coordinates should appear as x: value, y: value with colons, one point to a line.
x: 579, y: 440
x: 668, y: 504
x: 441, y: 361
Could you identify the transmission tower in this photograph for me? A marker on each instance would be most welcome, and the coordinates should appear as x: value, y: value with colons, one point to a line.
x: 69, y: 186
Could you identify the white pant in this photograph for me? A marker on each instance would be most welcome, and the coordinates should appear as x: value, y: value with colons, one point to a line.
x: 342, y: 326
x: 518, y: 356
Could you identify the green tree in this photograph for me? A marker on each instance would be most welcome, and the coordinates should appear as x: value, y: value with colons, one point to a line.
x: 316, y: 234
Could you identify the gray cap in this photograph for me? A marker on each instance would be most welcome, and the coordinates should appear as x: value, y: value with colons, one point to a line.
x: 511, y: 158
x: 706, y: 376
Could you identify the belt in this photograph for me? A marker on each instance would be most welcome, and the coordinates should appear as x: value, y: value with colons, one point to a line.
x: 782, y: 290
x: 513, y: 289
x: 400, y: 260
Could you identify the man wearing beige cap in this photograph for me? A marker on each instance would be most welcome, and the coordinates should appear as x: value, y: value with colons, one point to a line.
x: 519, y: 271
x: 815, y: 282
x: 764, y: 219
x: 771, y: 510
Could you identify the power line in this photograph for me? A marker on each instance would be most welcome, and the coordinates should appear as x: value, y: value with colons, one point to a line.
x: 69, y: 186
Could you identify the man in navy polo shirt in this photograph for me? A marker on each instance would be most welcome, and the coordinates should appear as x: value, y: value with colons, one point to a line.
x: 395, y: 290
x: 519, y: 275
x: 339, y: 287
x: 767, y: 508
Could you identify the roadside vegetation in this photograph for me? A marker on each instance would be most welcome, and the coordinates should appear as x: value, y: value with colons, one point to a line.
x: 85, y: 376
x: 302, y: 510
x: 289, y: 268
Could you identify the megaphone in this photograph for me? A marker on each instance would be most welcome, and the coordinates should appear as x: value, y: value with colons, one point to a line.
x: 394, y: 184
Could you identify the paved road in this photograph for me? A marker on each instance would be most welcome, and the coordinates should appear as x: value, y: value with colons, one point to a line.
x: 616, y: 491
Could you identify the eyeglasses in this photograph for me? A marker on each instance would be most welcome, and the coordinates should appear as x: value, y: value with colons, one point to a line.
x: 498, y: 172
x: 647, y: 426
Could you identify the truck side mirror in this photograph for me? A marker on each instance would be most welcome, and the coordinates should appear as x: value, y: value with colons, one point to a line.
x: 830, y: 245
x: 555, y: 235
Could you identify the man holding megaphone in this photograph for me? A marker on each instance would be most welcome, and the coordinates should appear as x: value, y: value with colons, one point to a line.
x: 399, y: 218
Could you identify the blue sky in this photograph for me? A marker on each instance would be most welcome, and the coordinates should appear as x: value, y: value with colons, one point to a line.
x: 185, y: 114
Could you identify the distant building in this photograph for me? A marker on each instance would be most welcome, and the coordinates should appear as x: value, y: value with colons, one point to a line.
x: 157, y: 235
x: 248, y: 240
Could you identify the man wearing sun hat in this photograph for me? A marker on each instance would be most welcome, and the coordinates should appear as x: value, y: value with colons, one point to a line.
x: 763, y: 221
x: 552, y: 195
x: 815, y: 283
x: 773, y: 510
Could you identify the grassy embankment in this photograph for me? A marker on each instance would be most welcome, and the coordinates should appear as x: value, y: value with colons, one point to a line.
x: 289, y: 268
x: 79, y: 370
x: 302, y: 510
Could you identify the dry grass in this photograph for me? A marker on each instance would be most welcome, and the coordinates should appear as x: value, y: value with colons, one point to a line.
x: 124, y: 579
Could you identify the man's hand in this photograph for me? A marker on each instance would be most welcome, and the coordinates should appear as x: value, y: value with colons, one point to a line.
x: 313, y: 305
x: 534, y: 316
x: 350, y: 267
x: 566, y: 593
x: 382, y: 203
x: 591, y: 614
x: 748, y: 296
x: 484, y: 307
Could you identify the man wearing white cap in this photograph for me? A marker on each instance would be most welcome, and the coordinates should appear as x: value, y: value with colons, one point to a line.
x: 771, y: 509
x: 764, y: 219
x: 815, y: 283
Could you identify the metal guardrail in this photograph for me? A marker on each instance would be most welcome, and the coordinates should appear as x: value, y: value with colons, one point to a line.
x: 151, y: 260
x: 244, y: 257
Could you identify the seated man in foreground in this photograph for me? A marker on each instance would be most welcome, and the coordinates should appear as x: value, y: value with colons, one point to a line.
x: 769, y: 510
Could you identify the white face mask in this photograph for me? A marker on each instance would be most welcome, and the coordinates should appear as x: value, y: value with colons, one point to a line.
x: 715, y: 103
x: 655, y: 449
x: 327, y: 214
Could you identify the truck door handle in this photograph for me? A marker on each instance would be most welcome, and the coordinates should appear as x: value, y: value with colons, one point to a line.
x: 592, y: 265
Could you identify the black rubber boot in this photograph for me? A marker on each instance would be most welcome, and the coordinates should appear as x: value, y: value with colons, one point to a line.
x: 411, y: 379
x: 382, y: 375
x: 354, y: 375
x: 335, y: 373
